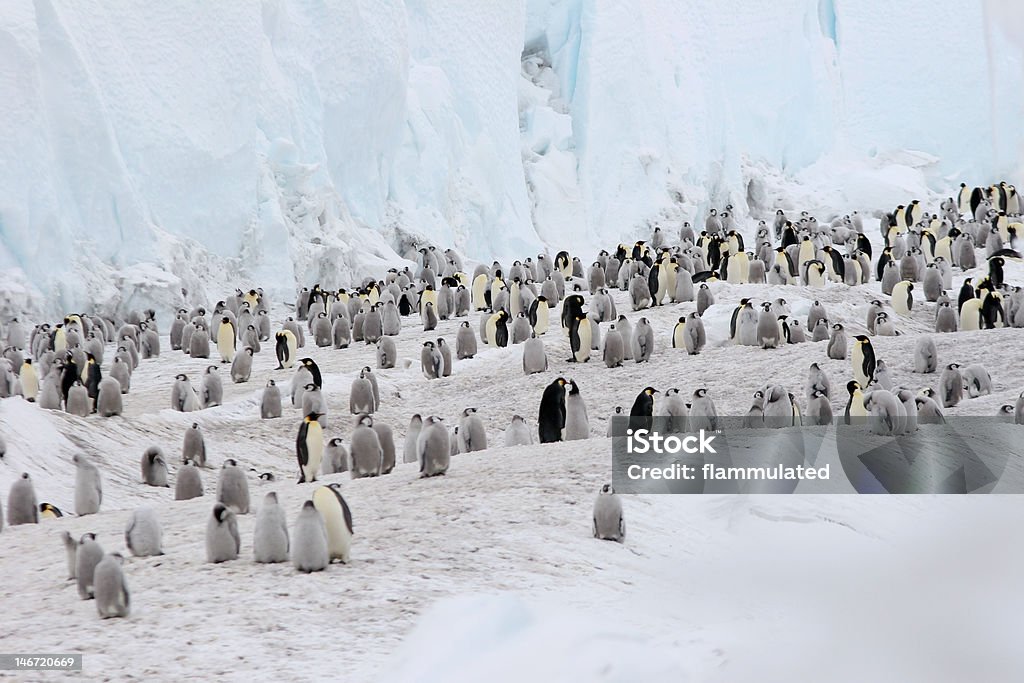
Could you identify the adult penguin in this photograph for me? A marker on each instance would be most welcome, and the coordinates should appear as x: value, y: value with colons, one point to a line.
x: 285, y: 349
x: 572, y: 308
x: 314, y: 371
x: 642, y: 410
x: 551, y: 419
x: 863, y: 360
x: 580, y: 337
x: 309, y: 447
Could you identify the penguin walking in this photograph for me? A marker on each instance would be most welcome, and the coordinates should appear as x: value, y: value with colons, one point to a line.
x: 222, y: 540
x: 87, y: 556
x: 110, y: 587
x: 337, y: 521
x: 270, y: 534
x: 608, y: 521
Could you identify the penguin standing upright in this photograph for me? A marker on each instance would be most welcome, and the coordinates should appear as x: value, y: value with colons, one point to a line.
x: 863, y: 360
x: 580, y: 339
x: 285, y: 348
x: 643, y: 409
x: 337, y: 521
x: 608, y: 522
x: 309, y: 447
x: 226, y: 339
x: 551, y: 419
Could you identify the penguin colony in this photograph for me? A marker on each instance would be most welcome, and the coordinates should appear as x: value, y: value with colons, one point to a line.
x: 559, y: 313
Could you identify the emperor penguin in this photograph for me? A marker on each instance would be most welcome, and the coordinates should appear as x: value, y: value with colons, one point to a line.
x: 270, y: 534
x: 903, y: 297
x: 674, y: 408
x: 313, y: 401
x: 193, y: 447
x: 29, y: 380
x: 694, y: 335
x: 222, y: 540
x: 551, y: 419
x: 577, y: 424
x: 226, y: 339
x: 341, y: 332
x: 535, y: 358
x: 518, y: 433
x: 977, y: 381
x: 539, y: 315
x: 154, y: 467
x: 270, y: 401
x: 233, y: 487
x: 945, y: 318
x: 337, y: 521
x: 883, y: 377
x: 77, y: 402
x: 925, y: 355
x: 387, y: 353
x: 778, y: 407
x: 386, y: 436
x: 199, y: 343
x: 365, y: 450
x: 309, y: 447
x: 188, y: 484
x: 580, y: 338
x: 87, y: 556
x: 143, y: 535
x: 472, y: 435
x: 705, y: 299
x: 433, y: 449
x: 70, y: 553
x: 88, y: 486
x: 309, y: 551
x: 285, y: 348
x: 465, y: 342
x: 609, y: 523
x: 614, y: 352
x: 121, y: 373
x: 643, y: 409
x: 1018, y: 410
x: 211, y: 390
x: 819, y: 409
x: 768, y: 332
x: 863, y: 360
x: 431, y: 362
x: 360, y: 400
x: 21, y: 502
x: 703, y: 414
x: 241, y: 366
x: 183, y: 396
x: 49, y: 511
x: 951, y: 385
x: 884, y: 410
x: 335, y: 460
x: 855, y: 408
x: 643, y: 341
x: 412, y: 435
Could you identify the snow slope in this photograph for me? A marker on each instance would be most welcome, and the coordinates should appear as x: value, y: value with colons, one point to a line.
x: 271, y: 139
x: 705, y: 588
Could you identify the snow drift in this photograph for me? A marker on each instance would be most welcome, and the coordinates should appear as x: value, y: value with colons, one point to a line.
x: 285, y: 141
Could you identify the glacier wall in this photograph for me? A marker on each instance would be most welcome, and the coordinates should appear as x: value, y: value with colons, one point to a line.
x: 165, y: 152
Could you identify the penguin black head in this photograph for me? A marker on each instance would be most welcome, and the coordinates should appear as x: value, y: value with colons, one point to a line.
x: 852, y: 386
x: 607, y: 489
x: 650, y: 391
x: 181, y: 377
x: 313, y: 416
x: 219, y: 511
x: 863, y: 339
x: 700, y: 393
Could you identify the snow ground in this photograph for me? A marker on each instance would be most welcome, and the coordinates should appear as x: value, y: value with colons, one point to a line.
x: 914, y: 588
